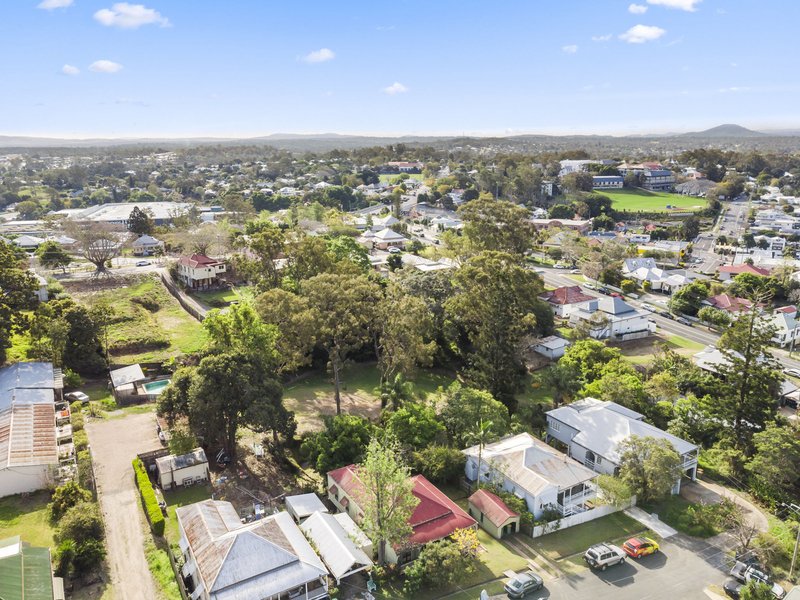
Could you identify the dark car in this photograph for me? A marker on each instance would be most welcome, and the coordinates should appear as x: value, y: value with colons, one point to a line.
x: 666, y: 314
x: 683, y: 321
x: 733, y: 588
x: 523, y: 584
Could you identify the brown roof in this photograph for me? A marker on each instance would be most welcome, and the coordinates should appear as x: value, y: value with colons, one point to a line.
x: 197, y: 260
x: 729, y: 303
x: 572, y: 294
x: 744, y: 268
x: 492, y: 507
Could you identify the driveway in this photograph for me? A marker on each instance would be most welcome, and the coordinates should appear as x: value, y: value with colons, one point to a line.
x: 681, y: 570
x: 711, y: 493
x: 115, y: 443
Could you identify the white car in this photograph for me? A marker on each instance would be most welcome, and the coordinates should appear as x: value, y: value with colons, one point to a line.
x: 792, y: 372
x: 649, y: 307
x: 394, y: 250
x: 77, y: 397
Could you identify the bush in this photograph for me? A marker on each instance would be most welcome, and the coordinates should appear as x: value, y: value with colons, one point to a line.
x: 627, y: 286
x: 72, y: 379
x: 85, y: 478
x: 149, y: 500
x: 63, y: 558
x: 80, y: 523
x: 80, y: 439
x: 65, y: 497
x: 76, y: 420
x: 440, y: 464
x: 88, y: 555
x: 439, y: 564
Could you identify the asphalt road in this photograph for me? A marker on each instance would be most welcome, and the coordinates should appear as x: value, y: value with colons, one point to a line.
x: 681, y: 570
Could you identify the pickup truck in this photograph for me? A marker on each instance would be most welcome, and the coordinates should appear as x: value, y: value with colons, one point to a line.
x: 744, y: 573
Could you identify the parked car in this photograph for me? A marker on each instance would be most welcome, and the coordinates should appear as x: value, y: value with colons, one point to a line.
x: 683, y: 321
x: 604, y: 290
x: 640, y: 546
x: 560, y: 266
x: 601, y: 556
x: 666, y: 314
x: 792, y: 372
x: 523, y: 584
x: 143, y: 263
x: 575, y: 271
x: 395, y: 250
x: 733, y: 588
x: 744, y: 572
x: 590, y: 286
x: 617, y: 295
x: 77, y: 397
x: 649, y: 307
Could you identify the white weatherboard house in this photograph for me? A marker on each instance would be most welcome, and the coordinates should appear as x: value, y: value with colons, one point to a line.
x: 268, y: 559
x: 539, y: 474
x: 29, y: 450
x: 593, y: 431
x: 199, y: 272
x: 186, y: 469
x: 613, y: 318
x: 146, y: 245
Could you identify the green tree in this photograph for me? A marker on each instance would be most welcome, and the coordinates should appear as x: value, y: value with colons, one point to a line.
x: 497, y: 225
x: 776, y: 460
x: 17, y: 294
x: 714, y: 316
x: 80, y: 523
x: 65, y: 497
x: 343, y: 442
x: 267, y: 246
x: 756, y: 590
x: 649, y: 466
x: 307, y: 256
x: 493, y: 306
x: 587, y: 358
x: 181, y: 441
x: 240, y: 330
x: 439, y: 564
x: 52, y: 256
x: 562, y: 379
x: 296, y: 321
x: 27, y: 210
x: 140, y: 221
x: 623, y: 386
x: 387, y: 499
x: 414, y: 425
x: 462, y: 407
x: 688, y: 299
x: 439, y: 464
x: 345, y: 305
x: 345, y: 249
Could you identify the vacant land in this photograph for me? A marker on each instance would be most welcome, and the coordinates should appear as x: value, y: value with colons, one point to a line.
x: 148, y: 325
x: 392, y: 177
x: 641, y: 352
x: 27, y: 517
x: 642, y: 200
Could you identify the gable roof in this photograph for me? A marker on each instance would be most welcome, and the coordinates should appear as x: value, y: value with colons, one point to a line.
x: 532, y: 464
x: 492, y: 507
x: 25, y: 571
x: 632, y: 264
x: 251, y: 561
x: 602, y: 426
x: 568, y: 294
x: 125, y: 375
x: 304, y: 505
x: 389, y: 235
x: 729, y: 303
x: 146, y: 240
x: 744, y: 268
x: 197, y: 260
x: 339, y: 553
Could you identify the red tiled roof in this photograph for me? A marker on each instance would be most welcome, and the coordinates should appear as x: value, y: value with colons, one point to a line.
x: 197, y: 260
x: 729, y: 303
x: 787, y: 309
x: 436, y: 516
x: 566, y: 295
x: 492, y: 507
x: 744, y: 268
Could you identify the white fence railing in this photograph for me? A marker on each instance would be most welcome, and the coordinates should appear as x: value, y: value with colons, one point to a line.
x: 580, y: 518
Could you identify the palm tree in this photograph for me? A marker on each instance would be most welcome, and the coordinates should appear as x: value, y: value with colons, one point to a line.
x: 563, y: 380
x: 481, y: 434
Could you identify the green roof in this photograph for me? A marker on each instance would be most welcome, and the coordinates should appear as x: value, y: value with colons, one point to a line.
x: 25, y: 572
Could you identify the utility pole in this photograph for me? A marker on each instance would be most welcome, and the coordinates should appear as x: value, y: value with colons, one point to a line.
x: 796, y: 509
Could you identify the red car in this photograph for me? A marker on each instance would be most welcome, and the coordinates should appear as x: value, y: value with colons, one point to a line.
x: 640, y: 546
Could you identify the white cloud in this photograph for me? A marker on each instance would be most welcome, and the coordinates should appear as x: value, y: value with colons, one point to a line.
x: 53, y: 4
x: 687, y: 5
x: 639, y: 34
x: 637, y: 9
x: 105, y: 66
x: 70, y: 70
x: 571, y: 49
x: 130, y: 16
x: 395, y: 88
x: 318, y: 56
x: 733, y: 90
x: 602, y: 38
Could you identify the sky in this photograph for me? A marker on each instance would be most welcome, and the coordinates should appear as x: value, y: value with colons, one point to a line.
x: 241, y: 68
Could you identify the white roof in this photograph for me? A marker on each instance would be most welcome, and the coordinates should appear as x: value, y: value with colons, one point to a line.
x: 28, y: 240
x: 552, y: 342
x: 632, y: 264
x: 532, y: 464
x: 304, y: 505
x: 603, y: 426
x: 125, y: 375
x: 389, y: 235
x: 146, y: 240
x: 119, y: 212
x: 341, y: 555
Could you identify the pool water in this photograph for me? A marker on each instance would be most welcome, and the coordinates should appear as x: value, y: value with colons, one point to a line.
x: 156, y: 387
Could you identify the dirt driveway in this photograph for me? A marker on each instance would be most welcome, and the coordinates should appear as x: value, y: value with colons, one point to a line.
x: 115, y: 443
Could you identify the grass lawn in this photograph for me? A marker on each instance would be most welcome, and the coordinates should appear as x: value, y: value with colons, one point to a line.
x: 178, y: 498
x: 27, y: 517
x: 221, y: 298
x: 149, y: 324
x: 642, y: 200
x: 160, y: 567
x: 640, y: 352
x: 574, y: 540
x: 391, y: 177
x: 674, y: 511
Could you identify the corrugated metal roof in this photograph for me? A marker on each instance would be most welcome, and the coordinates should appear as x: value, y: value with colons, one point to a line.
x: 25, y: 571
x: 334, y: 545
x: 125, y: 375
x: 304, y: 505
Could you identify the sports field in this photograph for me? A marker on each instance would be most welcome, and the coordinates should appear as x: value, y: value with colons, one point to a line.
x: 642, y: 200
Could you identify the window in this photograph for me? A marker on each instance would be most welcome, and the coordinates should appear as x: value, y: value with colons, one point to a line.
x: 555, y: 425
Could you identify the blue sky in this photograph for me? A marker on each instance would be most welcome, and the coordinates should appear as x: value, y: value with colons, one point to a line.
x: 78, y: 68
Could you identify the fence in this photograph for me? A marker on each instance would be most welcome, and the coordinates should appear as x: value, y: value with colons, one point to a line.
x: 187, y: 306
x: 580, y: 518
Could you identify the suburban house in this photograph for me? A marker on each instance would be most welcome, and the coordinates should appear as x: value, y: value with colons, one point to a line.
x: 564, y: 300
x: 534, y: 471
x: 728, y: 303
x: 26, y: 572
x: 302, y: 506
x: 552, y: 347
x: 343, y: 548
x: 492, y: 514
x: 434, y: 518
x: 32, y: 430
x: 187, y: 469
x: 146, y: 245
x: 580, y: 225
x: 267, y: 558
x: 593, y: 431
x: 199, y: 272
x: 384, y: 239
x: 660, y: 280
x: 613, y: 318
x: 787, y: 328
x: 727, y: 272
x: 607, y: 182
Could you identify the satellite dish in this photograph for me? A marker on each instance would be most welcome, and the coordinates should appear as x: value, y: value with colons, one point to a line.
x: 484, y: 595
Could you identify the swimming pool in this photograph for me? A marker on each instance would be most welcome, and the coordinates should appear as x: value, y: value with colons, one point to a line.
x: 156, y: 387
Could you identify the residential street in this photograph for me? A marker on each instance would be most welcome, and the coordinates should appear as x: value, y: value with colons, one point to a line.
x: 115, y: 442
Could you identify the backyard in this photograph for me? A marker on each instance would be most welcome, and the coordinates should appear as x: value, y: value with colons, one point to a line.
x: 221, y: 298
x: 645, y: 201
x: 27, y: 516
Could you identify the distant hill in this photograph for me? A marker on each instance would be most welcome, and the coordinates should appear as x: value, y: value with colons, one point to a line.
x: 726, y: 131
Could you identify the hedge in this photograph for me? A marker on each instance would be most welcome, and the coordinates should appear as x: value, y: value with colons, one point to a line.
x: 149, y: 500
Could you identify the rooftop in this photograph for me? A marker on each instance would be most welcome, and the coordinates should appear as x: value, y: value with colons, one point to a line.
x: 492, y: 507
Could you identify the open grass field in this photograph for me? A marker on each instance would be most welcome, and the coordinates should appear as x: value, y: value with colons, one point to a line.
x: 391, y: 177
x: 645, y: 201
x: 27, y: 517
x: 640, y: 352
x: 149, y: 325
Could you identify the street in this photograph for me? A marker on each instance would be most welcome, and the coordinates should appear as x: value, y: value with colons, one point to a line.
x: 681, y: 570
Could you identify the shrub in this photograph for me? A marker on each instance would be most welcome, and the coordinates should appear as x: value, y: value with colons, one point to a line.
x: 88, y: 555
x: 440, y: 464
x: 80, y: 439
x: 65, y: 497
x: 72, y: 379
x: 627, y: 286
x: 149, y: 500
x: 76, y: 420
x: 439, y: 564
x: 63, y: 558
x: 85, y: 478
x: 80, y: 523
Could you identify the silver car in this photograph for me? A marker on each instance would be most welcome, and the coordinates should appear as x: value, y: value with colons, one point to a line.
x: 523, y: 584
x: 601, y: 556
